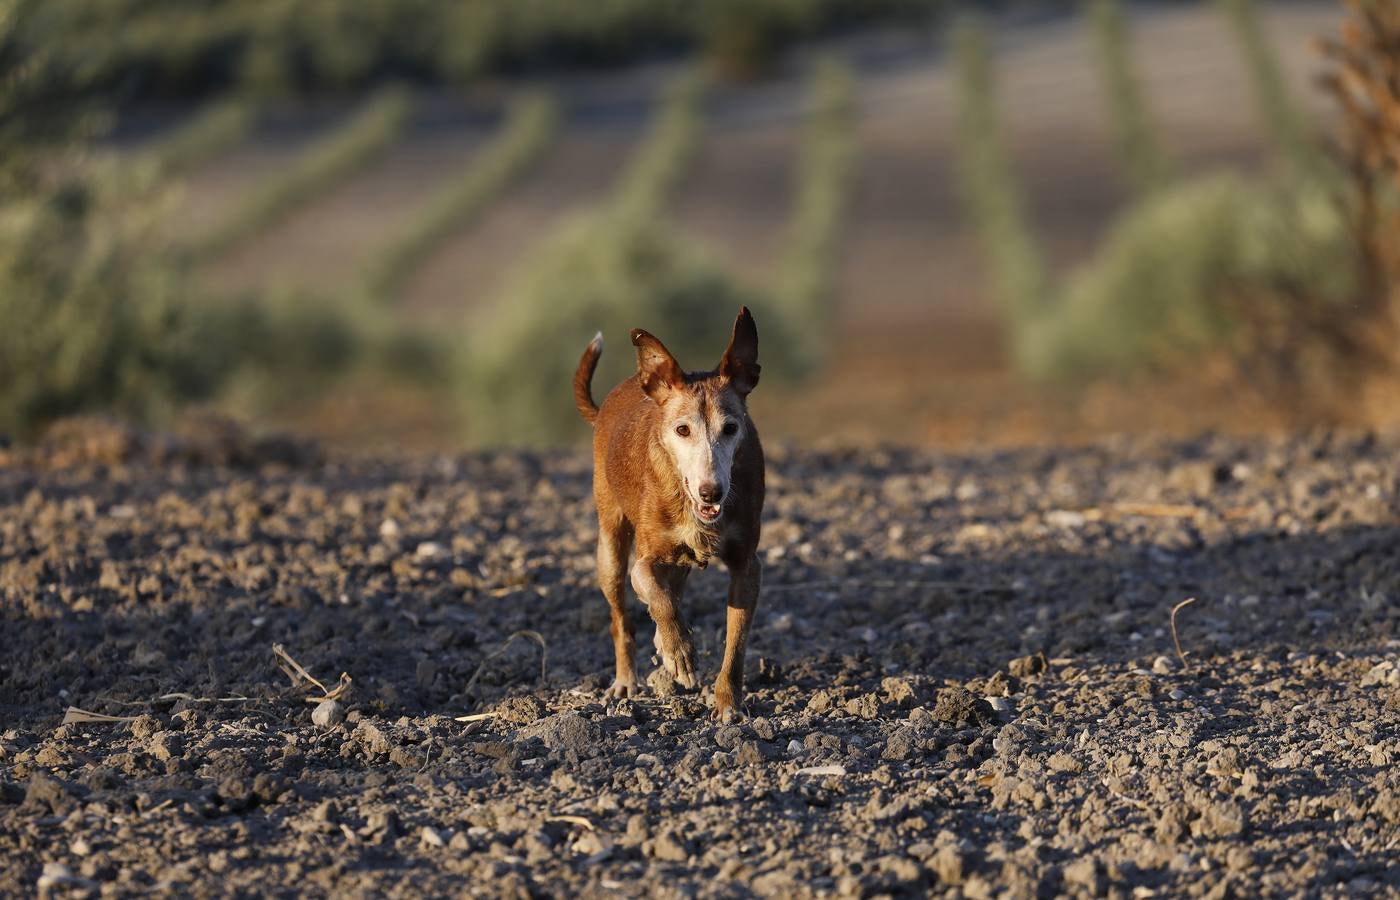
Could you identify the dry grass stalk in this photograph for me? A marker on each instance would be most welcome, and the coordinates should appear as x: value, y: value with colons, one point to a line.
x: 74, y: 715
x: 300, y: 677
x: 580, y: 821
x: 1176, y: 640
x: 475, y: 717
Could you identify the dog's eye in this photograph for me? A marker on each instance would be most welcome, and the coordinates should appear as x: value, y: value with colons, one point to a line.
x: 683, y: 430
x: 730, y: 429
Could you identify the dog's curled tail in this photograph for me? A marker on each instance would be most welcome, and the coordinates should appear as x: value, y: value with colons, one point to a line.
x: 583, y: 379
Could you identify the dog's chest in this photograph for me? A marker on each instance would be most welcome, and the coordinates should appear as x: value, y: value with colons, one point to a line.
x: 694, y: 544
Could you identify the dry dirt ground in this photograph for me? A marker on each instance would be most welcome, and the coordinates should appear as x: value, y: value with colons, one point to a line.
x: 962, y: 677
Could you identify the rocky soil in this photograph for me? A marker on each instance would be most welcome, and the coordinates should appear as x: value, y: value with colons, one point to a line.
x: 963, y: 677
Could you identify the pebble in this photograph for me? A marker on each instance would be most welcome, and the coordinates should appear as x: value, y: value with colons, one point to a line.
x: 668, y: 847
x: 429, y: 837
x: 729, y: 736
x: 327, y: 714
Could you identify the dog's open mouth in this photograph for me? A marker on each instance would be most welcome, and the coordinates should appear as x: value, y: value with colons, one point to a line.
x: 705, y: 512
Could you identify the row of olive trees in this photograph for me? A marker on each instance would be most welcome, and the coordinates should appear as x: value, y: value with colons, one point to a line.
x: 150, y: 48
x: 1255, y: 268
x: 621, y: 266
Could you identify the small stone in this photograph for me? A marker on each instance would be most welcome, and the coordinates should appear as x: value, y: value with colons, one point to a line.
x: 58, y: 875
x: 900, y: 744
x: 1221, y: 819
x: 429, y: 837
x: 899, y: 691
x: 661, y: 683
x: 1163, y: 665
x: 592, y: 844
x: 389, y: 529
x: 566, y: 731
x: 143, y: 727
x: 429, y: 550
x: 50, y: 794
x: 637, y: 830
x: 424, y: 674
x: 1177, y: 694
x: 1026, y: 666
x: 524, y: 710
x: 165, y: 745
x: 729, y: 736
x: 383, y: 824
x: 958, y: 706
x: 1084, y: 873
x: 947, y: 864
x: 668, y: 847
x: 751, y: 753
x: 902, y: 870
x: 866, y: 706
x: 327, y: 714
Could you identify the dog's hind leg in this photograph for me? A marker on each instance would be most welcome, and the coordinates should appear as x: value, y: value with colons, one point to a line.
x: 614, y: 543
x: 659, y: 586
x: 744, y: 582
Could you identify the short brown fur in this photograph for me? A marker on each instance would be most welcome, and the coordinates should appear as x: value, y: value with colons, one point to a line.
x: 645, y: 508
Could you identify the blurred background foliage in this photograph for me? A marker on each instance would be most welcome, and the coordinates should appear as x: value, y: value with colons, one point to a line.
x: 1280, y: 274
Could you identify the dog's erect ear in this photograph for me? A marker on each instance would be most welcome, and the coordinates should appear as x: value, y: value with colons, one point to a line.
x: 740, y: 363
x: 657, y: 369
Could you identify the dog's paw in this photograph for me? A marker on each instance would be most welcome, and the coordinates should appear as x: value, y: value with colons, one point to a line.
x: 730, y: 715
x: 680, y: 665
x: 623, y: 688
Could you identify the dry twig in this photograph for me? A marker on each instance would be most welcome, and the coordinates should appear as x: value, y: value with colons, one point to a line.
x: 1175, y: 640
x: 580, y: 821
x: 298, y: 674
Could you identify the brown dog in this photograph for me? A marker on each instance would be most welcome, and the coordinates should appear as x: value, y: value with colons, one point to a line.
x: 677, y: 476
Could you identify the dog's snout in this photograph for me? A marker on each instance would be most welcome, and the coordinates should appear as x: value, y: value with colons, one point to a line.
x: 711, y: 492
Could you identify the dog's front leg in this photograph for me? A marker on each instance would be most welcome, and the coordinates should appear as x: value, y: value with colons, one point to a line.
x: 658, y: 586
x: 744, y: 582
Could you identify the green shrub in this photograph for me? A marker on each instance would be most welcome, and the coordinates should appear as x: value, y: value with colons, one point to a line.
x: 92, y: 320
x: 523, y: 138
x: 602, y: 272
x: 1194, y: 270
x: 1134, y: 139
x: 329, y: 161
x: 824, y: 170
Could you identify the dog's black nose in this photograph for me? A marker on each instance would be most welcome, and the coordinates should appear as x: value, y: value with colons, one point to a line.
x: 710, y: 492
